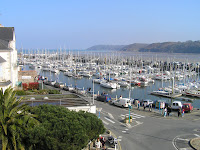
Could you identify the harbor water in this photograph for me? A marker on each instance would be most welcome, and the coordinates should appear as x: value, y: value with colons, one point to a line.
x: 135, y: 92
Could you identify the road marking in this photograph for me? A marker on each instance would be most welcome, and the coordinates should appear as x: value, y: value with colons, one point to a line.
x: 197, y: 135
x: 111, y: 116
x: 128, y: 125
x: 183, y: 139
x: 109, y: 120
x: 138, y: 122
x: 105, y: 122
x: 187, y: 148
x: 119, y: 137
x: 137, y: 115
x: 124, y: 131
x: 134, y: 116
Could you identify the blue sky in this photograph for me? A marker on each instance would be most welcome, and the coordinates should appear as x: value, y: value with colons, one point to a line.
x: 79, y: 24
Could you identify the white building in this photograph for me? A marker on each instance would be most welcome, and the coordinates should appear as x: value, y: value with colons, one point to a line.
x: 8, y: 58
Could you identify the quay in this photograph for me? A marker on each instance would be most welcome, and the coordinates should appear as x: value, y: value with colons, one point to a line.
x: 168, y: 96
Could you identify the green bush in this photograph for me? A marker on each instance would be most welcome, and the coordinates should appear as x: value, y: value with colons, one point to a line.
x: 21, y: 92
x: 54, y: 92
x: 62, y: 129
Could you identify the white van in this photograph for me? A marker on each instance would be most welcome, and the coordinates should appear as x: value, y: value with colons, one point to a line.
x: 122, y: 102
x: 176, y: 105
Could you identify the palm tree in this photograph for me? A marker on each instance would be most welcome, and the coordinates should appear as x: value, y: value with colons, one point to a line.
x: 14, y: 120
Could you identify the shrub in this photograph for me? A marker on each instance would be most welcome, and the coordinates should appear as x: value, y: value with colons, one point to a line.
x: 54, y: 92
x: 33, y: 85
x: 21, y: 92
x: 25, y: 86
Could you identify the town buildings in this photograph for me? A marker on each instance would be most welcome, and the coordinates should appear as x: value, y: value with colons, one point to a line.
x: 8, y: 58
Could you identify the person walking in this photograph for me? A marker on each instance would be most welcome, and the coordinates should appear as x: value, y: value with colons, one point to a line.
x: 145, y: 104
x: 103, y: 142
x: 150, y: 107
x: 183, y: 111
x: 168, y: 110
x: 165, y: 112
x: 138, y: 105
x: 179, y: 112
x: 98, y: 144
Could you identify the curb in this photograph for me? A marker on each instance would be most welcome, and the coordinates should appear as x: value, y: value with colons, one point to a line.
x: 193, y: 143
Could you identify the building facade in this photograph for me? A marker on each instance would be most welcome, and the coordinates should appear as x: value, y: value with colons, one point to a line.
x: 8, y: 58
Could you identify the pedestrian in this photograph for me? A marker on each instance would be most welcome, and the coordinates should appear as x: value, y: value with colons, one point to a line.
x: 103, y: 142
x: 165, y: 112
x: 98, y: 144
x: 179, y: 112
x: 183, y: 111
x: 138, y: 105
x: 145, y: 104
x: 120, y: 97
x: 168, y: 110
x: 150, y: 107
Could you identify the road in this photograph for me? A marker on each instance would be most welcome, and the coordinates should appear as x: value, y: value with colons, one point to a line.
x: 149, y: 130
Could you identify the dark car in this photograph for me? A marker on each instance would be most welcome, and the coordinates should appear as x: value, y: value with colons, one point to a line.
x: 59, y: 85
x: 104, y: 97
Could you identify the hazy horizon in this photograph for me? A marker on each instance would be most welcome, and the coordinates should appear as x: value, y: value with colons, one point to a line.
x: 82, y: 24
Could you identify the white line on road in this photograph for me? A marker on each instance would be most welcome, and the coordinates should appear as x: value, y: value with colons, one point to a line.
x: 109, y: 120
x: 183, y: 139
x: 137, y: 115
x: 111, y: 116
x: 105, y: 122
x: 197, y: 135
x: 124, y: 131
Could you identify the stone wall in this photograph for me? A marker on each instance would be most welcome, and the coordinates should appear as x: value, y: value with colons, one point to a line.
x: 27, y: 76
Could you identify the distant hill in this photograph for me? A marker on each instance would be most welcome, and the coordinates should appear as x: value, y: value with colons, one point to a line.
x: 165, y: 47
x: 106, y: 47
x: 134, y: 47
x: 173, y: 47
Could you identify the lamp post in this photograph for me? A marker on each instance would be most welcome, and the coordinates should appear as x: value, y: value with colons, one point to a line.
x: 130, y: 107
x: 99, y: 111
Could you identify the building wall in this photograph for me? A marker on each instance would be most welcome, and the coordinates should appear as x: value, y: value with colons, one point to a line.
x: 6, y: 71
x: 27, y: 76
x: 9, y: 69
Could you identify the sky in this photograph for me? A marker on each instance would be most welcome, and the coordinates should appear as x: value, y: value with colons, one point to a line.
x: 80, y: 24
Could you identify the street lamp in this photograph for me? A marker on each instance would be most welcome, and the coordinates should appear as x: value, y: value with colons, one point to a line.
x: 99, y: 111
x: 130, y: 107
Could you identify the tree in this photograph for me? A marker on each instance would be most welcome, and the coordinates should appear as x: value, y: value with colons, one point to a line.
x: 63, y: 129
x: 14, y: 120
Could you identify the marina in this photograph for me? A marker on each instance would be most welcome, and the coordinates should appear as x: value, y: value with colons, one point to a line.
x: 138, y: 76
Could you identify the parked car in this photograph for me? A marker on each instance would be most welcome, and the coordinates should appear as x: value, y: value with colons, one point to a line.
x: 187, y: 107
x: 59, y: 85
x: 147, y: 101
x: 176, y: 105
x: 122, y: 102
x: 133, y: 100
x: 104, y: 97
x: 68, y: 88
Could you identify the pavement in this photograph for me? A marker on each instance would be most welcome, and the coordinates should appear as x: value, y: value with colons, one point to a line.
x: 195, y: 143
x: 182, y: 142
